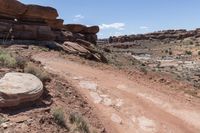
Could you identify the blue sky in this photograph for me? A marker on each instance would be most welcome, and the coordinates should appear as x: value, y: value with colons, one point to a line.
x: 119, y: 17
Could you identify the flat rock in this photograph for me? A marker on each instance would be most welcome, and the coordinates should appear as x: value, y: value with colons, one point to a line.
x: 116, y: 118
x: 17, y: 88
x: 74, y: 47
x: 75, y: 28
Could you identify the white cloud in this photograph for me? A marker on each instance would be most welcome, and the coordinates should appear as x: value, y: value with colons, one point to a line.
x: 117, y: 26
x: 78, y: 17
x: 144, y: 27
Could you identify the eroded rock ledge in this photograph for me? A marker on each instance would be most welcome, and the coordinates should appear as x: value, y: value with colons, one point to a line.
x: 35, y: 22
x: 39, y: 23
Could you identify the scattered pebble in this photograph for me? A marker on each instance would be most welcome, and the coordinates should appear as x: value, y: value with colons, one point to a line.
x: 119, y: 102
x: 96, y: 97
x: 116, y: 118
x: 146, y: 124
x: 107, y: 101
x: 88, y: 85
x: 122, y: 87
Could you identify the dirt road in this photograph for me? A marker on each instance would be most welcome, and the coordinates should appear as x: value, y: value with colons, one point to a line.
x: 124, y: 105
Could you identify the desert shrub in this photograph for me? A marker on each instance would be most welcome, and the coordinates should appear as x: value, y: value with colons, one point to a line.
x: 21, y: 62
x: 2, y: 119
x: 37, y: 71
x: 7, y: 60
x: 170, y: 53
x: 59, y: 117
x: 191, y: 42
x: 45, y: 49
x: 144, y: 70
x: 81, y: 124
x: 198, y: 52
x: 188, y: 52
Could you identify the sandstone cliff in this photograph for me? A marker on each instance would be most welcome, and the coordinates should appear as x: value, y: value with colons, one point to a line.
x: 34, y: 22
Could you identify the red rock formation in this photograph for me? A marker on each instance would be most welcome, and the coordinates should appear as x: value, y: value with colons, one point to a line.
x: 36, y: 22
x: 33, y: 22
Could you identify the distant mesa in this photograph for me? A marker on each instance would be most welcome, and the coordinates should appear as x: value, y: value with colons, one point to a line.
x: 160, y: 35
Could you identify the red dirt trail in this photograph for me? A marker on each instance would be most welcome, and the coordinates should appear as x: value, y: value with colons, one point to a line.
x: 124, y: 105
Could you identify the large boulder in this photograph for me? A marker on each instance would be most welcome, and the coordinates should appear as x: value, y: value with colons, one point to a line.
x: 74, y: 48
x: 91, y: 30
x: 56, y: 24
x: 12, y: 8
x: 26, y: 31
x: 78, y: 28
x: 17, y: 88
x: 40, y: 12
x: 75, y: 28
x: 16, y: 9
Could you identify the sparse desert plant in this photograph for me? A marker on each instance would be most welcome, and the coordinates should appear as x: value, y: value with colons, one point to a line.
x: 7, y: 60
x: 170, y: 53
x: 59, y: 117
x: 45, y: 49
x: 21, y: 62
x: 2, y: 119
x: 37, y: 71
x: 81, y: 124
x: 191, y: 42
x: 144, y: 70
x: 188, y: 52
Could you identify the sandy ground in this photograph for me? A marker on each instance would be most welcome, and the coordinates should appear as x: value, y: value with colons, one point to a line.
x: 124, y: 104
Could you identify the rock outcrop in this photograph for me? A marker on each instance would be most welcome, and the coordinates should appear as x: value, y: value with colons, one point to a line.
x: 84, y: 49
x: 33, y: 22
x: 16, y: 30
x: 161, y: 35
x: 17, y: 88
x: 83, y: 32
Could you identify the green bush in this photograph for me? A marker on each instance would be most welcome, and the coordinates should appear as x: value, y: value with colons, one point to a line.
x: 37, y: 71
x: 188, y: 52
x: 59, y: 117
x: 7, y: 60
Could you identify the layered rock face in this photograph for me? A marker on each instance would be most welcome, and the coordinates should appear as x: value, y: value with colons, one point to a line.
x: 161, y: 35
x: 34, y: 22
x: 72, y: 32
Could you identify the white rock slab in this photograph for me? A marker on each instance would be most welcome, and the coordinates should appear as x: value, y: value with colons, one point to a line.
x: 17, y: 88
x: 88, y: 85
